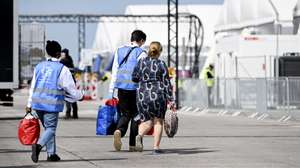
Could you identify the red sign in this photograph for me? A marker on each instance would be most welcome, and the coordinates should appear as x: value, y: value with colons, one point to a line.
x: 251, y: 38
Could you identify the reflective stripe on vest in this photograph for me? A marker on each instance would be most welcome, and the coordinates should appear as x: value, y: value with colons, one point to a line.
x: 123, y: 71
x: 126, y: 81
x: 46, y: 94
x: 48, y: 91
x: 48, y: 102
x: 124, y: 74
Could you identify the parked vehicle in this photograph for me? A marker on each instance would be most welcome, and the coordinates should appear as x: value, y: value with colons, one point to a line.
x: 9, y: 64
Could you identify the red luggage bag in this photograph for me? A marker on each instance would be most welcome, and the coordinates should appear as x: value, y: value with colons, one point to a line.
x: 29, y: 130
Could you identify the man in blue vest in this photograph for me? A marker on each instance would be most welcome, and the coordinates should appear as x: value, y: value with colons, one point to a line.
x: 51, y: 85
x: 125, y: 59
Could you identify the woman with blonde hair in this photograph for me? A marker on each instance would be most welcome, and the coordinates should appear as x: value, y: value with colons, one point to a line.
x: 153, y: 94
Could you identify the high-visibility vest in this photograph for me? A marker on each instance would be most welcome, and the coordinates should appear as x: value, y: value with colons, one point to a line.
x: 209, y: 81
x: 46, y: 94
x: 124, y: 73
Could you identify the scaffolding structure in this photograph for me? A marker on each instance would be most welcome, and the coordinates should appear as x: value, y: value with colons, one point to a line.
x: 195, y: 32
x: 173, y: 42
x: 173, y: 18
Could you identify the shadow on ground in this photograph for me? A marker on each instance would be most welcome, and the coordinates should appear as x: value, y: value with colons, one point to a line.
x: 24, y: 166
x: 187, y: 151
x: 17, y: 151
x: 180, y: 151
x: 14, y: 151
x: 87, y: 160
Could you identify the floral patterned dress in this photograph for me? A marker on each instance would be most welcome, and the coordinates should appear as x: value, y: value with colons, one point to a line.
x: 154, y: 88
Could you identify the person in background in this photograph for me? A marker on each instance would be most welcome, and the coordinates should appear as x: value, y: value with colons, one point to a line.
x: 67, y: 61
x: 209, y: 79
x: 125, y: 59
x: 153, y: 94
x: 52, y: 83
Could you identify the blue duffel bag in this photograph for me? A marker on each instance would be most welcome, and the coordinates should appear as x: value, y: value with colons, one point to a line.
x: 107, y: 120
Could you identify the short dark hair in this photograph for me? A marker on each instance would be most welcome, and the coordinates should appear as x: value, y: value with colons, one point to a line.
x: 53, y: 48
x: 138, y: 35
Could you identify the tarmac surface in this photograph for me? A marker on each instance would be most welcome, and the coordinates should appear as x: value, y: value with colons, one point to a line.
x: 202, y: 140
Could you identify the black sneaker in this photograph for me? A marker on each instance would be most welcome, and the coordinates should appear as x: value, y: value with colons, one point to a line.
x: 132, y: 149
x: 36, y: 149
x: 67, y: 117
x: 157, y: 152
x: 53, y: 158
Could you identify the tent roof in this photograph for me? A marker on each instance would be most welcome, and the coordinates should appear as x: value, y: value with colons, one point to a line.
x: 236, y: 14
x: 111, y: 35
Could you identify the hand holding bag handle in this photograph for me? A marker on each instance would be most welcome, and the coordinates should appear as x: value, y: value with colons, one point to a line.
x: 172, y: 106
x: 28, y: 110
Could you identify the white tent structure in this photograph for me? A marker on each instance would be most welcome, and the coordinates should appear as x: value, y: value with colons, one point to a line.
x: 110, y: 35
x: 251, y: 35
x: 159, y: 31
x: 237, y: 15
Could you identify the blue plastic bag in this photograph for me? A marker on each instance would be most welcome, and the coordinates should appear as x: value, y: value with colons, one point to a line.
x: 107, y: 120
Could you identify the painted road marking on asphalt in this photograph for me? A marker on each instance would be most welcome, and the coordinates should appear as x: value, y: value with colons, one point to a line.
x: 236, y: 114
x: 253, y: 115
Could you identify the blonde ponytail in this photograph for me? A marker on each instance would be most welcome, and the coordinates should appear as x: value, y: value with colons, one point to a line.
x: 155, y: 49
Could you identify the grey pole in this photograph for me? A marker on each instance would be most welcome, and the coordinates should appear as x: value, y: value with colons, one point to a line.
x: 277, y: 37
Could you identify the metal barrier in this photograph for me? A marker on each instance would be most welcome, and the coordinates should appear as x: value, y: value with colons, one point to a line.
x: 32, y: 49
x: 248, y: 94
x: 279, y: 97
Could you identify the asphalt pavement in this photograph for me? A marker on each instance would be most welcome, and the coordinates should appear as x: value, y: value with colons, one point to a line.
x: 203, y: 140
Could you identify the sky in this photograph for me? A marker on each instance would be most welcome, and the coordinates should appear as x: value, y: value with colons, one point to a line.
x: 66, y: 33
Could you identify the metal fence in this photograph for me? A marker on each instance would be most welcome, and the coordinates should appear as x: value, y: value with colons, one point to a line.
x: 250, y: 94
x: 32, y: 48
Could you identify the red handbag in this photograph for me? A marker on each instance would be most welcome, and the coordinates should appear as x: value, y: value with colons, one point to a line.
x: 29, y: 130
x: 112, y: 102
